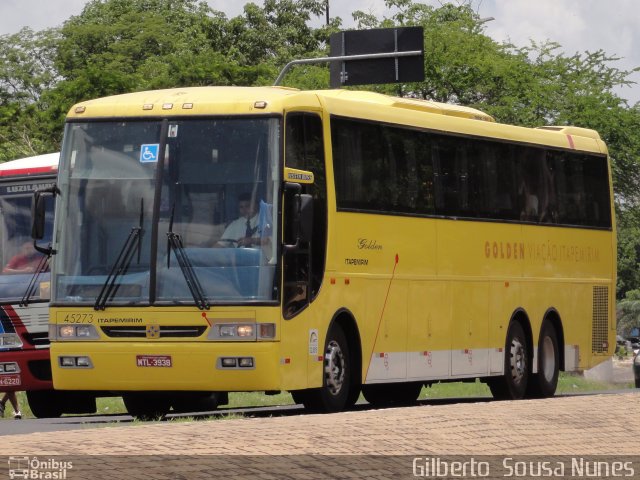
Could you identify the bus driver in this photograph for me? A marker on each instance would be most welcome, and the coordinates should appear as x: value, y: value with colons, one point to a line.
x: 243, y: 231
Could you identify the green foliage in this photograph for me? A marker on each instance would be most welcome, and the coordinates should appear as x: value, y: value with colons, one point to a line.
x: 26, y: 72
x: 628, y: 252
x: 275, y: 33
x: 628, y: 312
x: 118, y: 46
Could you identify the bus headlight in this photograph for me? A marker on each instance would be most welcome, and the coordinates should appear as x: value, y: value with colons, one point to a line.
x: 86, y: 331
x: 10, y: 340
x: 77, y: 332
x: 66, y: 331
x: 233, y: 332
x: 246, y: 332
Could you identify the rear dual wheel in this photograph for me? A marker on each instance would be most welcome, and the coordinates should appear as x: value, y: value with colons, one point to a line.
x: 543, y: 384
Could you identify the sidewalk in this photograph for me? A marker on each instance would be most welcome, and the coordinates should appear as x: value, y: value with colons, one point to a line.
x: 589, y: 425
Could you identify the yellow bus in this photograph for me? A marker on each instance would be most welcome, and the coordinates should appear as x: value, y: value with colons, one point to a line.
x: 326, y: 243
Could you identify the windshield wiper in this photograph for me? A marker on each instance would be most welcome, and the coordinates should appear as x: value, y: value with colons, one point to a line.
x: 120, y: 267
x: 174, y: 242
x: 42, y: 266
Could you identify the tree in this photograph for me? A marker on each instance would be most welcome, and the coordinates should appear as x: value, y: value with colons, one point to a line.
x: 26, y: 72
x: 125, y: 45
x: 277, y: 33
x: 628, y: 312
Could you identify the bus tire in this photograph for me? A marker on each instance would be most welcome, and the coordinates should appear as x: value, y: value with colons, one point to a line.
x: 337, y: 377
x: 513, y: 384
x: 44, y: 403
x: 543, y: 384
x: 388, y: 394
x: 147, y: 406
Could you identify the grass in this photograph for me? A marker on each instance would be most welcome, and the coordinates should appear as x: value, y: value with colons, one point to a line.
x: 575, y: 383
x: 567, y: 383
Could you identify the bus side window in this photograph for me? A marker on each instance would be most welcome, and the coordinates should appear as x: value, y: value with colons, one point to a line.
x: 450, y: 163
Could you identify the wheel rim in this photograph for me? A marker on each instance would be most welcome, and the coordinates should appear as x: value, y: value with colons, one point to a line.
x: 334, y: 369
x: 548, y: 359
x: 518, y: 360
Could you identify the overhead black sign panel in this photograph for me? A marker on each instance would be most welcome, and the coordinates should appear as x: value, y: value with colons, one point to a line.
x: 377, y: 70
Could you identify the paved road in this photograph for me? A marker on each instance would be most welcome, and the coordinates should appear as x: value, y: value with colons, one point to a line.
x: 581, y: 425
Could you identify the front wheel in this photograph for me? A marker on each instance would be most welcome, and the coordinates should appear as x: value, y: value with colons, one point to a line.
x: 513, y: 384
x: 338, y: 383
x: 543, y: 384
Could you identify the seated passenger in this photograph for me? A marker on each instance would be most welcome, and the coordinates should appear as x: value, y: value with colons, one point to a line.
x: 25, y: 261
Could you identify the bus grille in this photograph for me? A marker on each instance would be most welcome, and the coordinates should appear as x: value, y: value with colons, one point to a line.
x: 165, y: 331
x: 600, y: 337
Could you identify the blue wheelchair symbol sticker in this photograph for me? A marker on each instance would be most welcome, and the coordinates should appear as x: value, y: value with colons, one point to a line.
x: 149, y: 153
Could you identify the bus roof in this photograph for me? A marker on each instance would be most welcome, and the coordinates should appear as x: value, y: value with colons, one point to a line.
x: 358, y: 104
x: 39, y: 164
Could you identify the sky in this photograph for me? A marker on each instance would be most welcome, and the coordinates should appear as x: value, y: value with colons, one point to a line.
x: 577, y: 25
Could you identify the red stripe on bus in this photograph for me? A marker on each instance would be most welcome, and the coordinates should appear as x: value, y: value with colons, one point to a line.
x: 571, y: 144
x: 27, y: 171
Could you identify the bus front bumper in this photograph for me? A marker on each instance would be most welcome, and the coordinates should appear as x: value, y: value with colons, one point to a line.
x: 139, y: 366
x: 27, y: 369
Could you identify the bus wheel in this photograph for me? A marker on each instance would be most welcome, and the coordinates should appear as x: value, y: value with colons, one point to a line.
x: 392, y: 393
x: 337, y: 382
x: 147, y: 406
x: 543, y: 384
x: 44, y: 403
x: 513, y: 384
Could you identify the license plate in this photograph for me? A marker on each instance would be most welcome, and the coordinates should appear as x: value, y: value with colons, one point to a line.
x: 153, y: 360
x: 12, y: 380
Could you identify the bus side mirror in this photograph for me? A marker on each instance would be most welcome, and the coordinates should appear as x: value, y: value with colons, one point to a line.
x: 38, y: 215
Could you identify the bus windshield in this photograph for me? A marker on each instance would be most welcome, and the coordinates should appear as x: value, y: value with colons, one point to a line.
x: 178, y: 211
x: 18, y: 256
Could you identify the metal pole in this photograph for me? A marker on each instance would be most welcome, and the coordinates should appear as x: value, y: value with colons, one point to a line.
x: 368, y: 56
